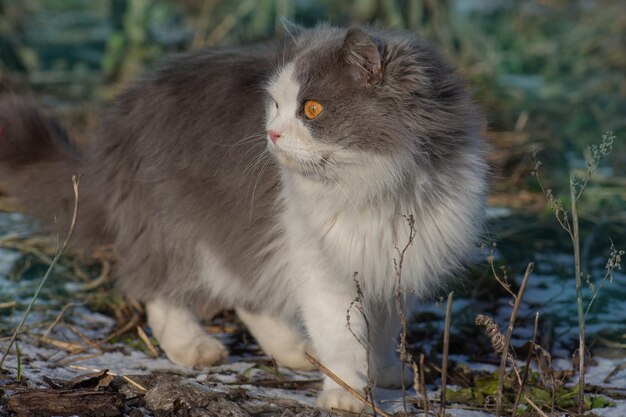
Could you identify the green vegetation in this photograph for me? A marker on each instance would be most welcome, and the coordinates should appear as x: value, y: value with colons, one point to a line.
x: 549, y: 73
x: 544, y: 390
x: 550, y: 76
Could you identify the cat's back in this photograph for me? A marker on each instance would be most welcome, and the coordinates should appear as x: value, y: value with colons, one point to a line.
x: 190, y: 113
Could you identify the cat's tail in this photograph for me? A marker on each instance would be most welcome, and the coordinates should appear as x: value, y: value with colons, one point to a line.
x: 37, y: 163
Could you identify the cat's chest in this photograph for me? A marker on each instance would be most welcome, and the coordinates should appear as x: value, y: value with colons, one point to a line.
x: 355, y: 240
x: 352, y: 233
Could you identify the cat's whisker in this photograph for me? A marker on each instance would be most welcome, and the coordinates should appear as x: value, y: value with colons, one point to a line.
x: 257, y: 159
x: 241, y: 158
x: 267, y: 161
x: 251, y: 146
x: 285, y: 49
x: 336, y: 182
x: 259, y: 135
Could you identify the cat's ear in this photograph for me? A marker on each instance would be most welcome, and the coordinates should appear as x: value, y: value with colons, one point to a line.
x: 291, y: 28
x: 362, y: 53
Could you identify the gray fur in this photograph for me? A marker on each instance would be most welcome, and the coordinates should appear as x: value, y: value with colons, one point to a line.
x: 179, y: 159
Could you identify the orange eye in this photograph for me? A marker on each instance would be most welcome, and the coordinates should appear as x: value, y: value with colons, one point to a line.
x: 312, y: 109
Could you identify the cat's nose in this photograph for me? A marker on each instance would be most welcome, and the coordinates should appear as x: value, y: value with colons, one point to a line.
x: 274, y: 135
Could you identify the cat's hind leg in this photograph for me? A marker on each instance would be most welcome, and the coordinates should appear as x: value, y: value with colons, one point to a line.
x: 278, y: 338
x: 181, y: 337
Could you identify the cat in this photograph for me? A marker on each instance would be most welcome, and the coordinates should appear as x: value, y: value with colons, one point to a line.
x: 268, y: 178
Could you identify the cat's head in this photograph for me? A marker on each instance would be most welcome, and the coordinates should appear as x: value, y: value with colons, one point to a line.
x: 371, y: 106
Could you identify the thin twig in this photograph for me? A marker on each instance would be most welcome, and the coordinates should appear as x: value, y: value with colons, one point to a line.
x: 358, y: 304
x: 132, y: 323
x: 507, y: 338
x: 56, y: 258
x: 535, y: 406
x: 425, y: 400
x: 503, y: 281
x: 144, y: 337
x: 68, y: 359
x: 86, y: 340
x: 59, y: 317
x: 579, y: 298
x: 405, y: 356
x: 72, y: 348
x: 343, y: 384
x: 528, y: 400
x: 416, y: 379
x: 229, y: 22
x: 444, y: 360
x: 124, y: 377
x: 531, y: 348
x: 614, y: 372
x: 102, y: 278
x: 8, y: 304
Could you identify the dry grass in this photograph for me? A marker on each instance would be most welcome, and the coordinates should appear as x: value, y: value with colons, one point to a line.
x: 59, y: 252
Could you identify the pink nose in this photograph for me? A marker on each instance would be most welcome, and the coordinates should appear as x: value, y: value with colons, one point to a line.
x: 273, y: 135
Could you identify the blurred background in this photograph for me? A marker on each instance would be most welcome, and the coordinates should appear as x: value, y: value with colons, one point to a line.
x: 550, y: 75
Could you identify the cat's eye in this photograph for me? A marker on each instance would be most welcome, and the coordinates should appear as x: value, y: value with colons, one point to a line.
x: 312, y: 109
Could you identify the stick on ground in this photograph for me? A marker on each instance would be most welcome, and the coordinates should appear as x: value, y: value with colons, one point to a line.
x: 342, y: 384
x: 444, y: 360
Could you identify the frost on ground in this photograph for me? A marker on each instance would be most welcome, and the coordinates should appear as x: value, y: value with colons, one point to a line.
x: 66, y: 345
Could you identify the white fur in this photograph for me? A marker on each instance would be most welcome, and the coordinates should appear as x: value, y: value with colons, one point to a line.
x: 181, y: 336
x: 278, y: 338
x: 296, y: 145
x: 356, y: 223
x: 349, y: 219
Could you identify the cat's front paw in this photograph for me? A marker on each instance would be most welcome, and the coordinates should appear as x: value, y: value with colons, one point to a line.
x: 391, y: 376
x: 203, y: 350
x: 339, y: 399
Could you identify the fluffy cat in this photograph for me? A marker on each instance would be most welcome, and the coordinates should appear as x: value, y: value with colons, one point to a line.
x: 263, y: 179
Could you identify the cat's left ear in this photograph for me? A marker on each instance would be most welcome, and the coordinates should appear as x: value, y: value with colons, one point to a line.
x: 362, y: 53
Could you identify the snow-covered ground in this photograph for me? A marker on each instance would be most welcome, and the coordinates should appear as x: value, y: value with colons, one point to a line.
x: 546, y: 293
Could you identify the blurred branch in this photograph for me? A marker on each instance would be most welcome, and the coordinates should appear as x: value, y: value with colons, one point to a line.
x: 229, y: 22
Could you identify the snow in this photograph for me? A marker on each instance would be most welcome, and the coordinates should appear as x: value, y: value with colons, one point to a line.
x: 42, y: 361
x: 547, y: 292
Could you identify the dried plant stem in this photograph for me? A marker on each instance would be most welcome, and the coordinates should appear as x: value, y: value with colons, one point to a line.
x: 577, y: 185
x: 535, y: 406
x: 146, y: 340
x: 444, y: 359
x: 526, y: 365
x: 579, y: 301
x: 58, y: 318
x: 343, y: 384
x: 519, y: 381
x: 72, y: 348
x: 425, y: 400
x: 405, y: 357
x: 507, y: 338
x: 229, y: 22
x: 416, y: 380
x: 124, y: 377
x: 43, y: 280
x: 358, y: 304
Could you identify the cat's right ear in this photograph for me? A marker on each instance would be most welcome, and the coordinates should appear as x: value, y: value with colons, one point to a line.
x: 362, y: 53
x: 291, y: 28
